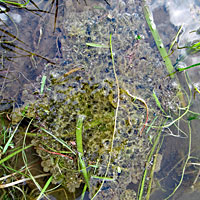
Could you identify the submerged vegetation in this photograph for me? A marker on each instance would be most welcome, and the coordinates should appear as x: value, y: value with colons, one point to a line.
x: 95, y: 120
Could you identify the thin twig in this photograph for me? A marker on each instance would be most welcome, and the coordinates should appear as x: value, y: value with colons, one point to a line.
x: 22, y: 181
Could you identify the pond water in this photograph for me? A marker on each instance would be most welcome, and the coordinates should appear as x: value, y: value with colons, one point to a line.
x: 57, y: 64
x: 184, y: 14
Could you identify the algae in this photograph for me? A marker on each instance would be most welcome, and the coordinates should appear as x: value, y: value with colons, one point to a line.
x: 98, y: 127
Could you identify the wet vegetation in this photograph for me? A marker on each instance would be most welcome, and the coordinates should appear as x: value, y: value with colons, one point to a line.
x: 84, y: 118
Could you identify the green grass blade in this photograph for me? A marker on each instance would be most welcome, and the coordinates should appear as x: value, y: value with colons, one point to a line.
x: 142, y: 183
x: 158, y: 102
x: 45, y: 187
x: 97, y: 45
x: 58, y: 139
x: 15, y: 3
x: 14, y: 153
x: 79, y: 128
x: 149, y: 18
x: 103, y: 178
x: 15, y: 171
x: 10, y: 139
x: 185, y: 68
x: 197, y: 89
x: 175, y: 39
x: 24, y: 157
x: 150, y: 126
x: 43, y: 84
x: 83, y: 192
x: 84, y: 170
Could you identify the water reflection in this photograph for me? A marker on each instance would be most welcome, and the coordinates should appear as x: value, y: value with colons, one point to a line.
x: 186, y: 14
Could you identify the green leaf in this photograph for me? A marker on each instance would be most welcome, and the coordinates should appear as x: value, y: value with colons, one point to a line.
x: 97, y: 45
x: 158, y: 102
x: 42, y: 84
x: 45, y: 187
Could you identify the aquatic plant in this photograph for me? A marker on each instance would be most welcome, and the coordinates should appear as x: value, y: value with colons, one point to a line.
x: 22, y: 5
x: 149, y: 18
x: 92, y: 130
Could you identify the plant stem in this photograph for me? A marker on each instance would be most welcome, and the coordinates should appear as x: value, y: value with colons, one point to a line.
x: 149, y: 18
